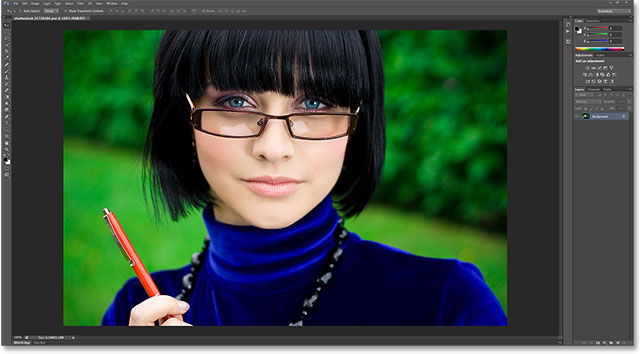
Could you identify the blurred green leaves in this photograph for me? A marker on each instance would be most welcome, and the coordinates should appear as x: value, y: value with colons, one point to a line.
x: 446, y: 109
x: 108, y: 78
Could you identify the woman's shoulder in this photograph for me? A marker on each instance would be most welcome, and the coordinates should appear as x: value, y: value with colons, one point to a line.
x: 447, y: 291
x: 169, y: 282
x: 387, y: 258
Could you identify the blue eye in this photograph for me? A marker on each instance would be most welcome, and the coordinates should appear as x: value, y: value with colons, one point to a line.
x: 236, y: 102
x: 312, y: 103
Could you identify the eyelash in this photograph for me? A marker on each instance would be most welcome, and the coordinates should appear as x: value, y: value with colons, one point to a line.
x: 225, y: 99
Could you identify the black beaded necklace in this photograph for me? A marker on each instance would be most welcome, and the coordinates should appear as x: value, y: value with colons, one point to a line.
x: 340, y: 234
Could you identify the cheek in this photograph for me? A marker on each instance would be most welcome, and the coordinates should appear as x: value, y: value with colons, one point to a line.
x: 327, y: 158
x: 217, y: 156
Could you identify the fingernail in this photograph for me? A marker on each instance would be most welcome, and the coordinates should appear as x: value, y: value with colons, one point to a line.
x: 183, y: 306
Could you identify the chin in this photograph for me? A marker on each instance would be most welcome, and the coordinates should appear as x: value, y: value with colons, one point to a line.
x: 274, y: 217
x: 273, y: 223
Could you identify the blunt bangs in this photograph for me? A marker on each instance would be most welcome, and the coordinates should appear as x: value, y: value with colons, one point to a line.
x: 326, y: 64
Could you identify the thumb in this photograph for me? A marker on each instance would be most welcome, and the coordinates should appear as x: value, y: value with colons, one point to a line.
x: 179, y: 307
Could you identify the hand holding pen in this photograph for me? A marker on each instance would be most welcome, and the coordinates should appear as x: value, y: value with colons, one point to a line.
x: 162, y: 308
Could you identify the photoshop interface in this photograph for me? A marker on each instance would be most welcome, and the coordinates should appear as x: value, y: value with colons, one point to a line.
x: 569, y: 104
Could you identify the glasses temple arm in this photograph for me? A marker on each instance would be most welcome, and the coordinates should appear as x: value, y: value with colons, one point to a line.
x: 193, y: 107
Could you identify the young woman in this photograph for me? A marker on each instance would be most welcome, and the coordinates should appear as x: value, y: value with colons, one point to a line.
x: 264, y: 131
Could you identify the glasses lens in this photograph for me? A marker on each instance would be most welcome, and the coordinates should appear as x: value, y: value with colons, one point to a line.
x: 319, y: 126
x: 237, y: 124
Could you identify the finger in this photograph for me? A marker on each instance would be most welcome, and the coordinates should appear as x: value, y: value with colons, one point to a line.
x: 175, y: 322
x: 161, y: 321
x: 157, y: 307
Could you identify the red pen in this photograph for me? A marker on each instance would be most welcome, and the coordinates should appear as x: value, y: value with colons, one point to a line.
x: 129, y: 253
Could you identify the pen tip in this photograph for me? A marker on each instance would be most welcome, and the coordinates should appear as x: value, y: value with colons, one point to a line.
x: 105, y: 211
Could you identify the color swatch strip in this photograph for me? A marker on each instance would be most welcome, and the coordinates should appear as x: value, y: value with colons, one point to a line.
x: 591, y: 49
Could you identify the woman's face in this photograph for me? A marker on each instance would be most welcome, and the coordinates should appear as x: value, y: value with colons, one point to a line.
x: 273, y: 180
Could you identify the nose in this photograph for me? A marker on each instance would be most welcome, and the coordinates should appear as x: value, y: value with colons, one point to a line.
x: 275, y: 143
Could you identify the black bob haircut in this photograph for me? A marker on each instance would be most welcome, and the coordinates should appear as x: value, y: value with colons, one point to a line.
x: 343, y: 67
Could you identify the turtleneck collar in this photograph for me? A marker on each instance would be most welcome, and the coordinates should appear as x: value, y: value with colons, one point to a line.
x: 247, y: 258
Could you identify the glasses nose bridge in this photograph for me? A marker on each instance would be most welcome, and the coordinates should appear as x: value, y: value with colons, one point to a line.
x: 268, y: 117
x: 282, y: 117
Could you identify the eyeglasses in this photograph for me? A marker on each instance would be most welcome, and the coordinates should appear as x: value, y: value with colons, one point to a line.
x: 244, y: 124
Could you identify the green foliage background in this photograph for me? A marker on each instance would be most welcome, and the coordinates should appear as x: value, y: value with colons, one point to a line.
x: 446, y: 109
x: 108, y: 78
x: 443, y: 191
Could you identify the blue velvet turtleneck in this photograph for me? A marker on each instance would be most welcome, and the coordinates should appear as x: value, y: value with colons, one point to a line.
x: 254, y: 276
x: 250, y: 259
x: 260, y: 277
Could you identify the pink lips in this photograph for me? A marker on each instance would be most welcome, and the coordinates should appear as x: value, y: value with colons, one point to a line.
x: 273, y: 186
